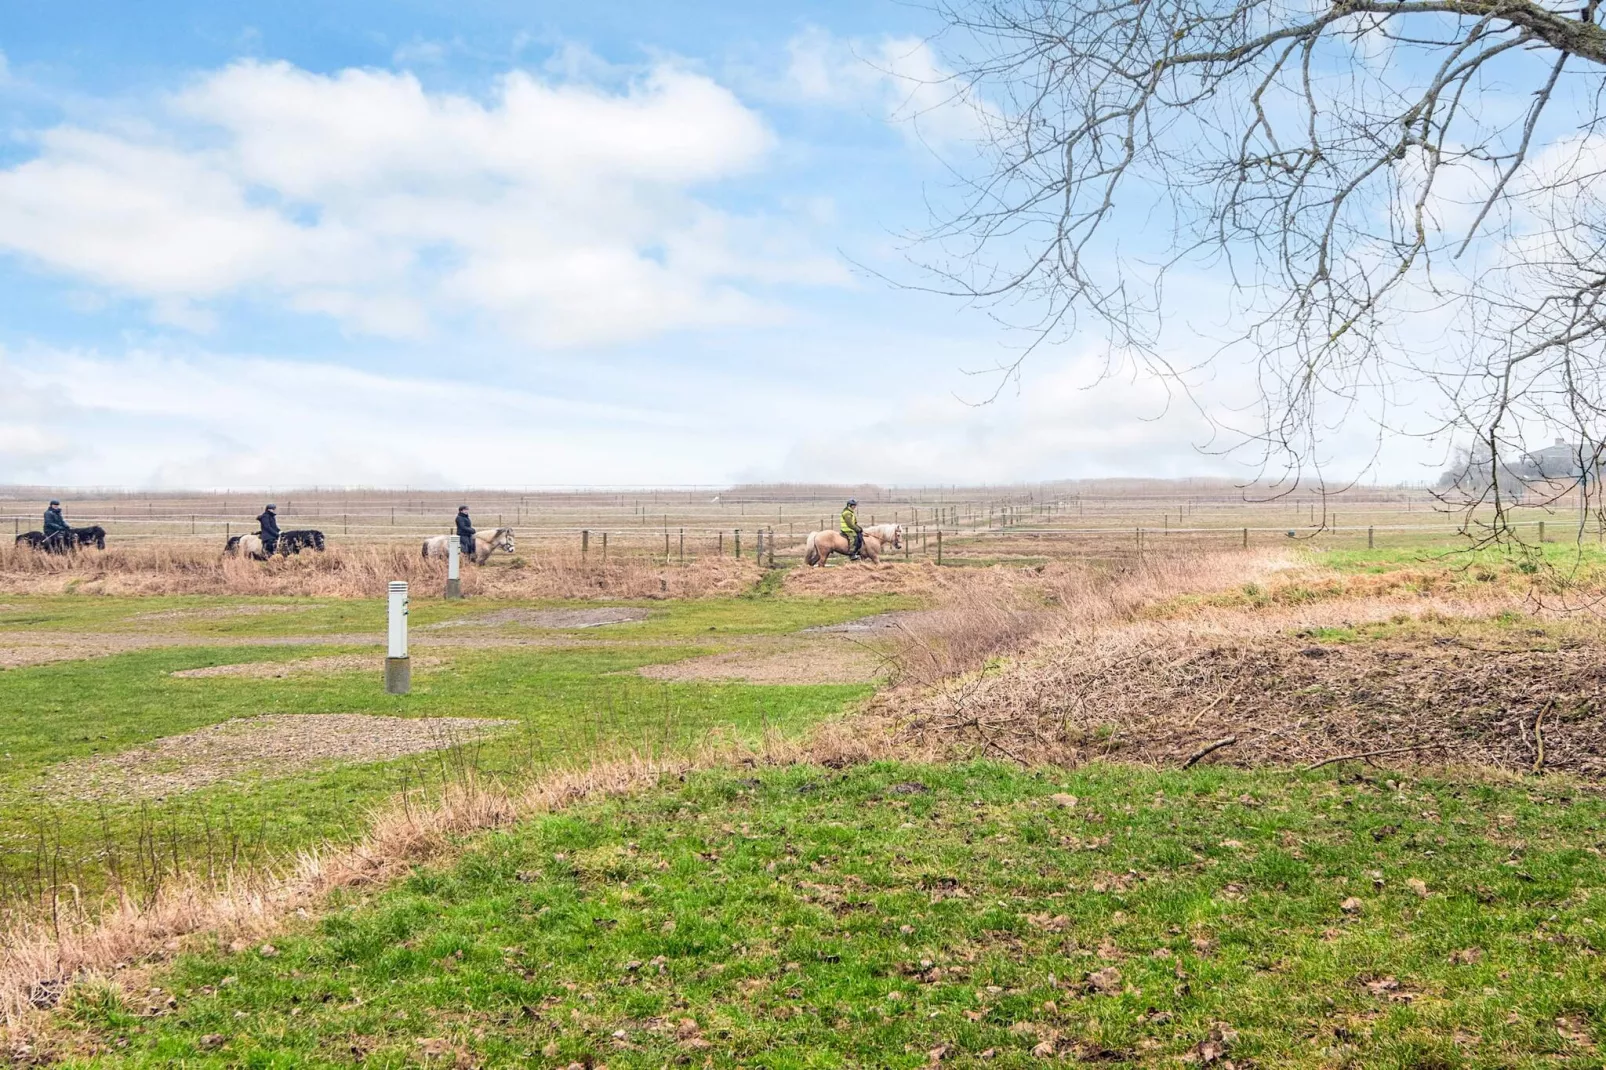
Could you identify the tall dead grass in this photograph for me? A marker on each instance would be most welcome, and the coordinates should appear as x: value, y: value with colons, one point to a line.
x: 1126, y: 664
x: 356, y: 572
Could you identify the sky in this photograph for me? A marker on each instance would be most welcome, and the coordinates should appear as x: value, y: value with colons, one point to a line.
x: 485, y: 243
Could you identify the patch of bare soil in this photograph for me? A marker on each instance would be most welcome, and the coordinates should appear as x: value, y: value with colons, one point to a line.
x: 272, y: 670
x: 270, y: 745
x: 820, y: 662
x: 225, y: 612
x: 1161, y: 694
x: 549, y: 618
x: 19, y: 649
x: 879, y: 624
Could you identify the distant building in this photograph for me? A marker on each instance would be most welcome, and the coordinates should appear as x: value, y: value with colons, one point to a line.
x: 1547, y: 471
x: 1555, y: 463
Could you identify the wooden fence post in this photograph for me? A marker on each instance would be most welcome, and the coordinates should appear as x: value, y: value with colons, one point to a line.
x: 939, y: 546
x: 604, y: 547
x: 736, y: 541
x: 1541, y: 532
x: 721, y: 550
x: 1369, y: 539
x: 683, y: 546
x: 585, y: 540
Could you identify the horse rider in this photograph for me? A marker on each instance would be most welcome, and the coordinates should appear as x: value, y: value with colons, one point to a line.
x: 850, y: 528
x: 270, y: 528
x: 465, y: 531
x: 56, y: 529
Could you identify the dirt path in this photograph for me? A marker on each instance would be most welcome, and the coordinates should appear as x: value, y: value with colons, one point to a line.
x: 271, y: 745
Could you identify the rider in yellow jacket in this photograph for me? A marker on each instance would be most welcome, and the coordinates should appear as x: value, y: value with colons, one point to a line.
x: 850, y: 527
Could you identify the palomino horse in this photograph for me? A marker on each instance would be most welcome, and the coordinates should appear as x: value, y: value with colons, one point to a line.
x: 484, y: 545
x: 887, y: 533
x: 822, y: 544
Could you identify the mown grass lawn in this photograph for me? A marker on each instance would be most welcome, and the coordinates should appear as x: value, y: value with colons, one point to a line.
x: 569, y: 704
x: 901, y: 915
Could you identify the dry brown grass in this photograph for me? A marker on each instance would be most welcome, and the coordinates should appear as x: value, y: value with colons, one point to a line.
x: 1130, y: 667
x: 341, y: 572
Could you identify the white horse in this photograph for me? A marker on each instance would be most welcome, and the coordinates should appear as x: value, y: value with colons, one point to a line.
x: 484, y: 545
x: 246, y: 546
x: 887, y: 534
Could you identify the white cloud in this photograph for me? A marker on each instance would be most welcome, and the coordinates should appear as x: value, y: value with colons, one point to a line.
x: 899, y: 78
x: 563, y: 213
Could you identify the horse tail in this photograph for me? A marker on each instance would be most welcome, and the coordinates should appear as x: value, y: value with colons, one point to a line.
x: 424, y: 550
x: 811, y: 553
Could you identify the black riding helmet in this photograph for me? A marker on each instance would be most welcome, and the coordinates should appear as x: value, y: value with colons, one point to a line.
x: 853, y: 501
x: 54, y: 502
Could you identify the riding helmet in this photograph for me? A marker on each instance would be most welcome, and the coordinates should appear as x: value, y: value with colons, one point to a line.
x: 853, y: 501
x: 54, y: 502
x: 272, y: 506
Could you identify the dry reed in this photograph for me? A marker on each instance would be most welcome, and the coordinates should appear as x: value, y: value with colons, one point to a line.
x: 356, y: 572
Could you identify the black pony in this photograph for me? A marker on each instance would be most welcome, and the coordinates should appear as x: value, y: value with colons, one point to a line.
x: 62, y: 541
x: 290, y: 542
x: 293, y: 542
x: 85, y: 536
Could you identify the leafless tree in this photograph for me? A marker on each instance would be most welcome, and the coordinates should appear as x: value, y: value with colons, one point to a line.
x: 1399, y: 194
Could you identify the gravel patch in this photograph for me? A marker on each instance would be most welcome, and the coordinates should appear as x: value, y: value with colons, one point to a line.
x: 272, y: 670
x: 270, y: 745
x: 550, y: 618
x: 814, y: 663
x: 225, y: 612
x: 880, y: 623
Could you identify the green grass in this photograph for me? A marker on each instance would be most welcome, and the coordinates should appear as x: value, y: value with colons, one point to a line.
x: 569, y: 703
x: 806, y: 918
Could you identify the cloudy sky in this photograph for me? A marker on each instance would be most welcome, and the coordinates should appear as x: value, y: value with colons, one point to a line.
x: 486, y: 242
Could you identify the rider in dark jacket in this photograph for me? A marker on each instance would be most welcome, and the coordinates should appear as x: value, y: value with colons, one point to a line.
x: 465, y: 530
x: 270, y: 528
x: 53, y: 519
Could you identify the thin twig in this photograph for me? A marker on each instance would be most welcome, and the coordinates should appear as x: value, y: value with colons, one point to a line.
x: 1370, y: 754
x: 1209, y: 749
x: 1539, y: 738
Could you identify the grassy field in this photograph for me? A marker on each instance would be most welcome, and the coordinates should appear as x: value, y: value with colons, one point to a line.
x: 922, y: 911
x: 903, y: 915
x: 570, y: 703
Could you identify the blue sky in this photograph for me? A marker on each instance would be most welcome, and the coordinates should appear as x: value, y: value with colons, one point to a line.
x: 482, y: 243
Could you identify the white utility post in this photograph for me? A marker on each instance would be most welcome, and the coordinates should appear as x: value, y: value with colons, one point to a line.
x: 454, y: 553
x: 398, y: 670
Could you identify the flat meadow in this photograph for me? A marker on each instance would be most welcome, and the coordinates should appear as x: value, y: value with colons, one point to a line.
x: 1282, y: 806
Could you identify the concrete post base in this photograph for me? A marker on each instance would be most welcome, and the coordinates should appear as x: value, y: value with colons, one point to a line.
x: 454, y: 588
x: 398, y: 676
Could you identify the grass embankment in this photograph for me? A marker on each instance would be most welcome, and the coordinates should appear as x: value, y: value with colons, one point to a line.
x: 897, y: 915
x: 570, y: 703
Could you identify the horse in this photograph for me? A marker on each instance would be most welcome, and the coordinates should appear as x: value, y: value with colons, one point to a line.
x: 887, y: 533
x: 484, y: 545
x: 245, y: 546
x: 85, y: 536
x: 293, y: 542
x: 822, y: 544
x: 61, y: 542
